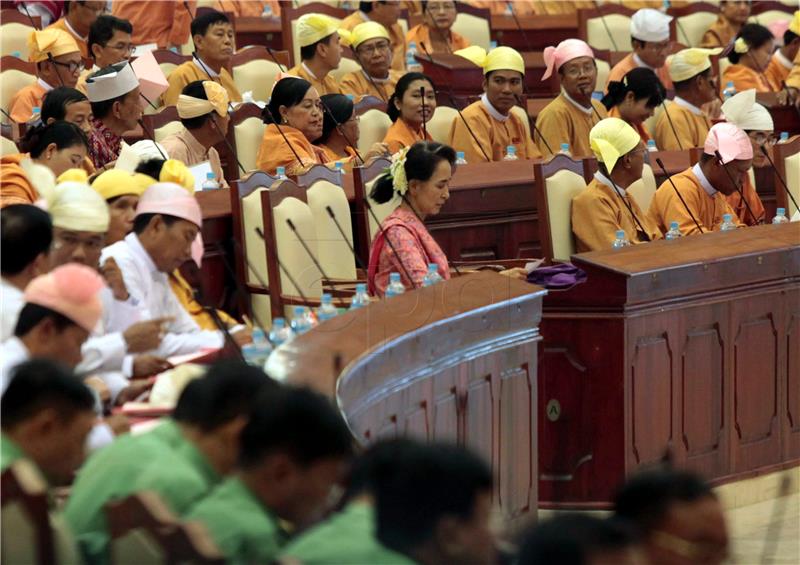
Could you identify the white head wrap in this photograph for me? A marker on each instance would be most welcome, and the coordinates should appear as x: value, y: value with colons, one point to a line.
x: 650, y: 25
x: 743, y: 111
x: 112, y: 85
x: 76, y: 206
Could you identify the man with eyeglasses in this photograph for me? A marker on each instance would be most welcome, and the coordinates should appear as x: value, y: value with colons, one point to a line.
x: 651, y: 45
x: 109, y: 43
x: 78, y: 20
x: 569, y: 118
x: 58, y: 63
x: 385, y: 13
x: 371, y: 45
x: 683, y: 124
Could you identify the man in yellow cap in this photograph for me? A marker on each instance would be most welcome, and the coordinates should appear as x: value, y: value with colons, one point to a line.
x: 203, y: 110
x: 385, y: 13
x: 781, y: 63
x: 58, y: 63
x: 371, y: 45
x: 77, y: 20
x: 121, y: 191
x: 599, y: 211
x: 683, y: 124
x: 212, y: 33
x: 320, y: 52
x: 490, y: 119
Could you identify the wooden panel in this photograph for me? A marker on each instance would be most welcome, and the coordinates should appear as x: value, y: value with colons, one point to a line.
x: 791, y: 426
x: 651, y: 387
x: 516, y: 474
x: 445, y: 415
x: 480, y: 417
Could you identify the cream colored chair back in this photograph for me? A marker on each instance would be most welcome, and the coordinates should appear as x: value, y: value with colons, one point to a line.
x: 403, y: 25
x: 256, y: 251
x: 256, y: 76
x: 11, y: 82
x: 8, y: 147
x: 166, y: 130
x: 523, y: 115
x: 474, y: 29
x: 167, y: 68
x: 724, y: 63
x: 792, y: 164
x: 291, y: 252
x: 248, y: 135
x: 333, y: 252
x: 440, y: 124
x: 597, y: 34
x: 346, y: 66
x: 14, y: 37
x: 603, y: 70
x: 372, y: 129
x: 643, y: 190
x: 560, y: 189
x: 692, y: 27
x: 380, y: 210
x: 770, y: 16
x: 752, y: 176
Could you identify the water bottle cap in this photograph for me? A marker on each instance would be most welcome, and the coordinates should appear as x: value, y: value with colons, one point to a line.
x: 433, y: 267
x: 339, y: 166
x: 781, y: 211
x: 17, y: 54
x: 394, y: 277
x: 673, y: 225
x: 361, y: 287
x: 565, y: 147
x: 298, y: 310
x: 726, y: 217
x: 459, y: 154
x: 620, y: 234
x: 281, y: 171
x: 279, y: 322
x: 412, y: 44
x: 730, y: 84
x: 326, y: 297
x: 37, y: 110
x: 784, y: 135
x: 209, y: 176
x: 511, y: 149
x: 651, y: 142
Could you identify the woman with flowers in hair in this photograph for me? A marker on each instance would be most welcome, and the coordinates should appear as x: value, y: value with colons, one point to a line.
x: 749, y: 57
x: 419, y: 178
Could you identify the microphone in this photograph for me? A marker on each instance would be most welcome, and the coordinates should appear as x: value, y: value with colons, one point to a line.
x: 675, y: 188
x: 283, y: 135
x: 780, y: 178
x: 536, y: 129
x: 737, y: 187
x: 424, y: 109
x: 202, y: 65
x: 671, y: 125
x: 186, y: 5
x: 369, y: 78
x: 344, y: 237
x: 275, y: 59
x: 519, y: 26
x: 280, y: 264
x: 340, y: 129
x: 152, y: 137
x: 302, y: 241
x: 389, y: 241
x: 642, y: 232
x: 27, y: 13
x: 453, y: 102
x: 605, y: 25
x: 408, y: 203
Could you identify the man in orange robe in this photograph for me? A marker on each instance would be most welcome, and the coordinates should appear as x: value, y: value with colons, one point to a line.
x: 78, y: 19
x: 165, y: 23
x: 386, y: 14
x: 651, y: 43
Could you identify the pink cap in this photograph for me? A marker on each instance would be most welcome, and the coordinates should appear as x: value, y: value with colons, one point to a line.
x: 567, y: 50
x: 198, y: 250
x: 172, y: 200
x: 731, y: 142
x: 71, y: 290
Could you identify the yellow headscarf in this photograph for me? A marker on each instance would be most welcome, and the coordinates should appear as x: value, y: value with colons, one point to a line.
x: 313, y: 27
x: 364, y: 32
x: 794, y: 26
x: 612, y: 138
x: 498, y: 59
x: 117, y: 182
x: 143, y: 182
x: 688, y: 63
x: 176, y: 172
x: 50, y: 40
x: 190, y: 107
x: 75, y: 175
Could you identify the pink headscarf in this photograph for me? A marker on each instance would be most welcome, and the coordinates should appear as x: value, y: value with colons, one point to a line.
x: 170, y: 199
x: 72, y: 290
x: 731, y: 142
x: 567, y: 50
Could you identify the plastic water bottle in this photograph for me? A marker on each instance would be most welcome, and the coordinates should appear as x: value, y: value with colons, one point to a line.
x: 281, y: 173
x: 280, y: 332
x: 433, y: 276
x: 727, y: 223
x: 493, y: 44
x: 784, y: 137
x: 664, y: 6
x: 210, y: 183
x: 339, y: 167
x: 620, y: 240
x: 460, y: 159
x: 17, y: 54
x: 395, y: 287
x: 257, y: 353
x: 565, y: 150
x: 36, y: 114
x: 511, y: 154
x: 674, y: 231
x: 729, y: 91
x: 412, y: 65
x: 360, y: 298
x: 326, y: 309
x: 299, y: 322
x: 651, y: 145
x: 267, y: 13
x: 780, y: 217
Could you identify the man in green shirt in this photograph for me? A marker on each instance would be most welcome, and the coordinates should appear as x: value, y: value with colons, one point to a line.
x: 47, y: 414
x: 293, y: 450
x: 181, y: 460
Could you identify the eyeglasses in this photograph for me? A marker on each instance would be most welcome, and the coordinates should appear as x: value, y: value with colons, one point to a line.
x: 763, y: 138
x: 123, y: 47
x: 575, y: 72
x: 382, y: 47
x: 72, y: 66
x: 658, y: 47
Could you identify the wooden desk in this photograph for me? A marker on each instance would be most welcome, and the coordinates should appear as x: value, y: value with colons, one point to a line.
x: 690, y: 345
x: 258, y: 31
x: 786, y: 118
x: 537, y: 32
x: 454, y: 361
x: 216, y: 279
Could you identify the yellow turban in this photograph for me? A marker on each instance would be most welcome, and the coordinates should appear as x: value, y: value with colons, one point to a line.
x: 313, y: 27
x: 190, y: 107
x: 612, y: 138
x: 498, y: 59
x: 794, y: 26
x: 143, y: 182
x: 75, y: 206
x: 76, y: 175
x: 117, y: 182
x: 364, y: 32
x: 176, y: 172
x: 688, y: 63
x: 50, y: 41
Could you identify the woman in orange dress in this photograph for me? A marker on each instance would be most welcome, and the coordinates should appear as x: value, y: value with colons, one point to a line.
x: 635, y: 98
x: 409, y: 110
x: 750, y: 57
x: 435, y: 33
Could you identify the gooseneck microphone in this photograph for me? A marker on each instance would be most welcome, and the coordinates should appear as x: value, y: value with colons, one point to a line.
x: 152, y: 137
x: 360, y: 263
x: 780, y: 178
x: 737, y: 187
x: 605, y: 25
x: 680, y: 197
x: 289, y: 276
x: 642, y: 232
x: 671, y: 124
x: 307, y: 249
x: 424, y: 108
x: 536, y: 129
x: 283, y: 135
x: 212, y: 312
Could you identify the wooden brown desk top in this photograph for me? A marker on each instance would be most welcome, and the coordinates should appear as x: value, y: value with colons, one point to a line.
x: 662, y: 271
x: 255, y: 24
x: 503, y: 22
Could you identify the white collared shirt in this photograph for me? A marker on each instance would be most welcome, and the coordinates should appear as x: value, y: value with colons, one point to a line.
x: 688, y: 105
x: 44, y: 85
x: 306, y: 69
x: 640, y: 63
x: 492, y: 110
x: 698, y: 172
x: 11, y: 302
x: 601, y: 178
x: 580, y: 107
x: 203, y: 66
x: 73, y: 32
x: 151, y: 287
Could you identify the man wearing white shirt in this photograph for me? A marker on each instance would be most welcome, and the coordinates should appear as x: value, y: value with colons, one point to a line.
x: 27, y: 233
x: 167, y: 222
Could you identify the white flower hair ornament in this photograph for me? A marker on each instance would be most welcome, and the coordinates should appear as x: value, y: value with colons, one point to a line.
x: 741, y: 46
x: 397, y: 170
